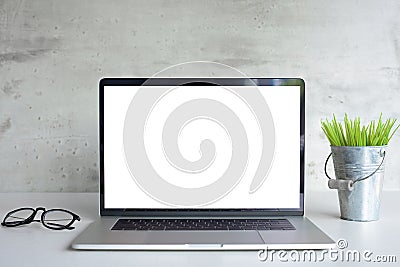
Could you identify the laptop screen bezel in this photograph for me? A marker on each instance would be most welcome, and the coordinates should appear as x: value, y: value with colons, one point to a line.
x: 201, y: 212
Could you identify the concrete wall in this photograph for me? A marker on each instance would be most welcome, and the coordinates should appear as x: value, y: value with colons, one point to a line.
x: 52, y: 54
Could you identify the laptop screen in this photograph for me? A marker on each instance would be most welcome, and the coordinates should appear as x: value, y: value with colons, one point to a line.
x: 223, y: 145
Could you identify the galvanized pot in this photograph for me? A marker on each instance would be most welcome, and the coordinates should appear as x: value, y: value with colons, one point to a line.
x: 359, y: 180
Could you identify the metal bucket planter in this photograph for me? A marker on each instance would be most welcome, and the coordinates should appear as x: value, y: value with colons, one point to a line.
x: 359, y: 180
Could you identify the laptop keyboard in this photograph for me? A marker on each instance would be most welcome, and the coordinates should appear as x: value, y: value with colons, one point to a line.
x: 201, y: 224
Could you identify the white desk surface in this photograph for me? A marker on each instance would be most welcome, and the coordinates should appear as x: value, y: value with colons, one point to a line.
x: 35, y: 245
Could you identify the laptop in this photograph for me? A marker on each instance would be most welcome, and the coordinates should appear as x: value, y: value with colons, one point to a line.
x: 202, y: 164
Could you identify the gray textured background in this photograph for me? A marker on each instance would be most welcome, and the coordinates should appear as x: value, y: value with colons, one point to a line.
x: 52, y: 54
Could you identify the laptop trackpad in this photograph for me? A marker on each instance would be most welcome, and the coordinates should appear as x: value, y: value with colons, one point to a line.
x: 202, y: 237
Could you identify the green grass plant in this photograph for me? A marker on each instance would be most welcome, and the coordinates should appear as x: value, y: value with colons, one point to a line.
x: 352, y: 133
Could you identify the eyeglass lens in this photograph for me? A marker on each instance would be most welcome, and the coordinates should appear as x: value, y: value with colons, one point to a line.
x: 19, y: 215
x: 57, y: 218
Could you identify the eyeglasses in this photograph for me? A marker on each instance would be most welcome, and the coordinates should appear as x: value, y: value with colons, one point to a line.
x: 55, y: 219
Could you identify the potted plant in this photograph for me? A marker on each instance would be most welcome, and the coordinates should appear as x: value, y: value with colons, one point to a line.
x: 358, y: 153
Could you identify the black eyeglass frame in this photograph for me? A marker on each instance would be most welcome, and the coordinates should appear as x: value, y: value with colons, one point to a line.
x: 31, y: 218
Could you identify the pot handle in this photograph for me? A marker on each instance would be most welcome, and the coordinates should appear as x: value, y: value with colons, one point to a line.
x: 342, y: 184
